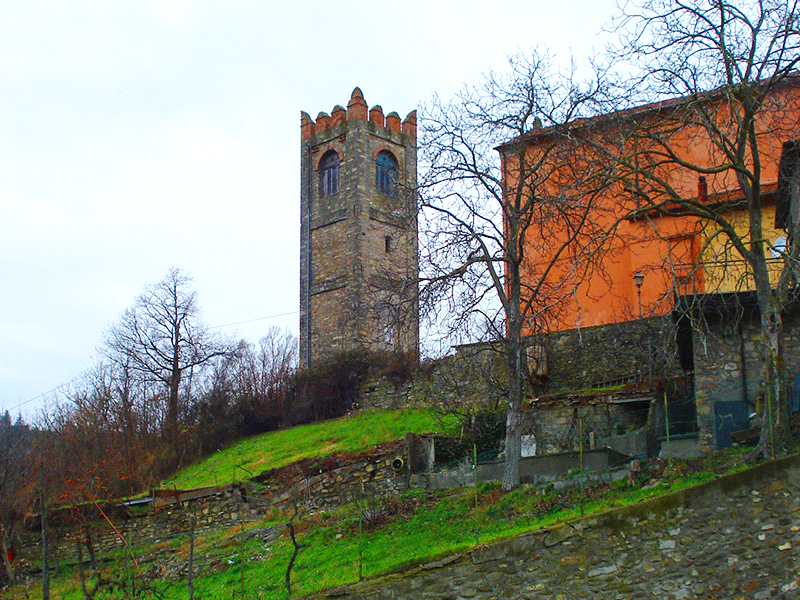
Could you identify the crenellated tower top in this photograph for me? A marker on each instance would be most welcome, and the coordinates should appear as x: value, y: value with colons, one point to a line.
x: 357, y: 110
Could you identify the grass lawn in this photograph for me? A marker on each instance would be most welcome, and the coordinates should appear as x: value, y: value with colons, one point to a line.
x: 251, y: 456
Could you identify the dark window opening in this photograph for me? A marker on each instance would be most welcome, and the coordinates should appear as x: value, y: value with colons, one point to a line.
x: 684, y: 342
x: 386, y: 172
x: 788, y: 188
x: 387, y: 244
x: 329, y: 173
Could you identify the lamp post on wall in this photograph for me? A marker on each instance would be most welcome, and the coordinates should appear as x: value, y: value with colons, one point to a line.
x: 638, y: 281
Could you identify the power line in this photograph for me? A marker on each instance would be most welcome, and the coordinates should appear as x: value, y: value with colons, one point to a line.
x: 61, y: 385
x: 40, y: 396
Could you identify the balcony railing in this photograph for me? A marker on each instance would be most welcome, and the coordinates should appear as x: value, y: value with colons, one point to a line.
x: 710, y: 276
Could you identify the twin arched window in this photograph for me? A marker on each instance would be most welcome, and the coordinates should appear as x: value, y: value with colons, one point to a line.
x: 386, y: 172
x: 329, y: 173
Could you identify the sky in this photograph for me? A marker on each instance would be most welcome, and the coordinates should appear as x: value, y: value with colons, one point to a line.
x: 140, y: 136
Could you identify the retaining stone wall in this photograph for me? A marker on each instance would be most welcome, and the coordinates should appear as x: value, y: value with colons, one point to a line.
x: 334, y: 481
x: 737, y: 537
x: 211, y: 513
x: 320, y: 483
x: 557, y: 427
x: 474, y: 378
x: 592, y: 355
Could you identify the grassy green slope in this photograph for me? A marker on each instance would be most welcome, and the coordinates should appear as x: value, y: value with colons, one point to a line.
x: 254, y: 455
x: 381, y: 534
x: 419, y: 526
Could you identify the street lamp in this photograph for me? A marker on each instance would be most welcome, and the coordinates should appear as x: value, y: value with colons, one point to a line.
x: 638, y: 281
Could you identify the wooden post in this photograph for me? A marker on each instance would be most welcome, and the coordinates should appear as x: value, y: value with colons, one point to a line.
x: 43, y: 504
x: 666, y: 426
x: 580, y: 434
x: 475, y: 485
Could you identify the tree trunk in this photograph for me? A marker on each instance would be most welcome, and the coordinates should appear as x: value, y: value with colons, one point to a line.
x: 90, y: 550
x: 288, y: 577
x: 513, y: 418
x: 189, y: 581
x: 81, y: 573
x: 174, y: 386
x: 773, y: 422
x: 6, y: 561
x: 172, y: 406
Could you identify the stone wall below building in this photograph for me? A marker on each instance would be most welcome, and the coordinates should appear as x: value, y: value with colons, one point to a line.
x: 729, y: 368
x: 634, y: 351
x: 638, y: 350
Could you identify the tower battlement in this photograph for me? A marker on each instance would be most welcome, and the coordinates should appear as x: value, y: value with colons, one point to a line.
x: 357, y: 110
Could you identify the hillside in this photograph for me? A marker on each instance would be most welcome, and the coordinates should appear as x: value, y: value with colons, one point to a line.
x: 360, y: 431
x: 372, y: 536
x: 364, y: 539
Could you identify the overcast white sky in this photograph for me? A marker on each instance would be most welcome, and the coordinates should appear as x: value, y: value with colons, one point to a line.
x: 137, y: 136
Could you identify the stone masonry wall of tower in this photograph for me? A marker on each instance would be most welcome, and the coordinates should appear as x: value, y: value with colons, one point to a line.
x: 358, y: 232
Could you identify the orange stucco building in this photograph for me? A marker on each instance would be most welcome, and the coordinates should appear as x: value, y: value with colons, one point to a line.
x: 675, y: 253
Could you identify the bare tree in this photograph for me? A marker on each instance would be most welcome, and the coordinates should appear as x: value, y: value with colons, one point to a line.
x: 248, y: 391
x: 16, y: 487
x: 723, y: 76
x: 506, y: 238
x: 296, y: 545
x: 161, y: 338
x: 263, y: 373
x: 101, y: 439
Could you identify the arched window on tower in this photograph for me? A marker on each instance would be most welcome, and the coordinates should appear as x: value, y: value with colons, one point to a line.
x: 386, y: 172
x: 329, y: 173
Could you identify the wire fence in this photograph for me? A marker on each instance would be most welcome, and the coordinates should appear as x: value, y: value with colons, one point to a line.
x: 634, y: 427
x: 631, y: 427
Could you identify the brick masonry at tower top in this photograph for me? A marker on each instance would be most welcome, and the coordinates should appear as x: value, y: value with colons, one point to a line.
x: 358, y: 233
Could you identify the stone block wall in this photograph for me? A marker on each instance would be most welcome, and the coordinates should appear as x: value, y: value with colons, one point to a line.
x: 629, y: 351
x: 332, y: 481
x: 729, y: 362
x: 223, y: 509
x: 557, y: 426
x: 450, y: 381
x: 575, y: 359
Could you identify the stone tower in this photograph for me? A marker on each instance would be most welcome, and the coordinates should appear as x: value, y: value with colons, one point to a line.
x: 358, y: 233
